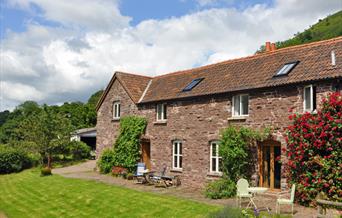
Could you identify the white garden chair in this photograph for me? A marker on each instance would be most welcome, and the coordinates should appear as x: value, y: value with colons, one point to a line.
x: 285, y: 201
x: 242, y: 192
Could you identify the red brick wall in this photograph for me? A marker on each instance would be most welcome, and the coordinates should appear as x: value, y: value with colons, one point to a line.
x: 198, y: 121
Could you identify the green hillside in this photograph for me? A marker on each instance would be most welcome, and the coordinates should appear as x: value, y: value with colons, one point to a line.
x: 327, y: 28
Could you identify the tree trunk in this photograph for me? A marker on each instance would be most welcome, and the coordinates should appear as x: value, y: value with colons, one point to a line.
x: 49, y: 158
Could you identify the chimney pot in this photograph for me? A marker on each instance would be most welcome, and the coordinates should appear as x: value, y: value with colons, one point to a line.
x: 273, y: 47
x: 268, y: 46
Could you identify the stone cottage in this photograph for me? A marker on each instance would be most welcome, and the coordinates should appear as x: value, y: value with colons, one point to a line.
x: 187, y: 109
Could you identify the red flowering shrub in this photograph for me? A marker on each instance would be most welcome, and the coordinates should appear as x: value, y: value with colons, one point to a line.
x: 314, y: 152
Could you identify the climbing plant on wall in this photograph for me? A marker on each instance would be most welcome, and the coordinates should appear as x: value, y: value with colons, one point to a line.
x: 126, y: 147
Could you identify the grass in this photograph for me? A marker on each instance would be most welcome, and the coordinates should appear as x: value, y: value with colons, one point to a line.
x: 26, y: 194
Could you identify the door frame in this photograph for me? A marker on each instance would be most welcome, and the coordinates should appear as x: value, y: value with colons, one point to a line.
x: 261, y: 146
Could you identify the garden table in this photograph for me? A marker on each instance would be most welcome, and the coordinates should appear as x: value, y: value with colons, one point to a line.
x: 255, y: 191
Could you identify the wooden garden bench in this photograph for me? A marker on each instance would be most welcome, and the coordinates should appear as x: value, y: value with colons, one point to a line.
x: 323, y: 204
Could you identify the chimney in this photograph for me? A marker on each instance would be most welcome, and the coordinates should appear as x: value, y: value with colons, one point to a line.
x: 268, y: 46
x: 273, y: 47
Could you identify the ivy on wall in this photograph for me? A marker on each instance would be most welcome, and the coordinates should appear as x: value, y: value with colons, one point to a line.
x: 126, y: 147
x: 235, y: 149
x: 125, y: 151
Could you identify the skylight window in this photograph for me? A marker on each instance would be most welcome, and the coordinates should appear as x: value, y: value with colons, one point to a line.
x: 286, y: 69
x: 192, y: 85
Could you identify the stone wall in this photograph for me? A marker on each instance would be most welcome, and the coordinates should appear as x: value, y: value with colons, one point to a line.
x: 198, y: 121
x: 107, y: 128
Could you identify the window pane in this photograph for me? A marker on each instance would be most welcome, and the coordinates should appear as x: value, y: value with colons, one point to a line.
x: 213, y: 164
x: 236, y: 103
x: 119, y: 110
x: 165, y: 112
x: 159, y: 111
x: 244, y: 104
x: 180, y: 161
x: 175, y: 148
x: 213, y: 149
x: 114, y: 110
x: 180, y: 148
x: 175, y: 161
x: 307, y: 97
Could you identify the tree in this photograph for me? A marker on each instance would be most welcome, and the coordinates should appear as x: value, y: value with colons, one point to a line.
x: 94, y: 98
x: 4, y: 115
x: 9, y: 130
x: 49, y: 129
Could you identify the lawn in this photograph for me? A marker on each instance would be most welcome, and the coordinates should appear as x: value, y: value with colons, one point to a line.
x: 26, y: 194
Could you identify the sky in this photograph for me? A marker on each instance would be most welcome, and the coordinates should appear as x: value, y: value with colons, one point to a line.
x: 61, y: 51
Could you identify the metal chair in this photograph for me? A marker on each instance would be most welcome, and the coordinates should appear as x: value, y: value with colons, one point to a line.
x: 242, y: 192
x: 286, y: 201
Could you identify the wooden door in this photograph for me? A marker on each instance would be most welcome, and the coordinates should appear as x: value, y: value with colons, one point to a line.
x: 269, y: 168
x: 146, y: 154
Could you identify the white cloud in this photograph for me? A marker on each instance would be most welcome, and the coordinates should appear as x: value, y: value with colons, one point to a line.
x: 20, y: 92
x: 101, y: 15
x: 69, y: 62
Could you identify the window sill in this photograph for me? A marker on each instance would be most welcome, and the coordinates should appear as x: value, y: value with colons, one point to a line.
x: 116, y: 119
x: 309, y: 111
x: 214, y: 174
x: 238, y: 118
x: 160, y: 122
x: 176, y: 170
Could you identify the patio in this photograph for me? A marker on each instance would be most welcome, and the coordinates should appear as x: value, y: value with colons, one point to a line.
x: 86, y: 171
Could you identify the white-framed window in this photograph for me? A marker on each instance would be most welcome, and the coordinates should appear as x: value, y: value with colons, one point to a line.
x: 240, y: 105
x: 215, y: 158
x: 116, y: 110
x: 177, y: 155
x: 309, y: 98
x: 161, y: 112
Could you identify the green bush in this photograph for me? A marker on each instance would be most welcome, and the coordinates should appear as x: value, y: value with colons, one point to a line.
x: 314, y: 152
x: 106, y: 161
x: 221, y: 188
x: 79, y: 150
x: 46, y: 171
x: 13, y: 160
x: 30, y: 149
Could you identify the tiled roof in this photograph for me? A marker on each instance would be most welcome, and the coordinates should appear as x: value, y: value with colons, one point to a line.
x: 252, y: 72
x: 240, y: 74
x: 133, y: 84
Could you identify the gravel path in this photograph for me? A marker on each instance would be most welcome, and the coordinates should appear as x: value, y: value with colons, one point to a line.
x: 87, y: 171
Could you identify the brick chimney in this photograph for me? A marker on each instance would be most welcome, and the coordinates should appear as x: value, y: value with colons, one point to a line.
x: 268, y: 46
x: 273, y: 47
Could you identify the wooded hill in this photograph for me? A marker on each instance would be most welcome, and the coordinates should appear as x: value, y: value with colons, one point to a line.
x: 327, y: 28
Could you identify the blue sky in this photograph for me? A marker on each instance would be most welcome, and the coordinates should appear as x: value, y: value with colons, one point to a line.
x: 15, y: 18
x: 60, y: 51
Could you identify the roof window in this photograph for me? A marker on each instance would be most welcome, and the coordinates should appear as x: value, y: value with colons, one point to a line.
x: 192, y: 84
x: 286, y: 69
